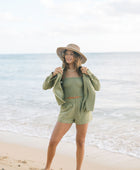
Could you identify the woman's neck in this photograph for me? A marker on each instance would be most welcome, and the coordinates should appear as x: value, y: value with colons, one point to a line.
x: 71, y: 67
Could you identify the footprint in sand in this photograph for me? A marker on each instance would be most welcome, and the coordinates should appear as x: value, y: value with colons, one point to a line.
x: 20, y: 161
x: 3, y: 157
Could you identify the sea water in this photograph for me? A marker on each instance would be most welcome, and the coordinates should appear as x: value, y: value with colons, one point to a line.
x: 27, y: 109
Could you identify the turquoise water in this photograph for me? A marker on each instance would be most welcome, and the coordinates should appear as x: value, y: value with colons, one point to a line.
x: 28, y: 109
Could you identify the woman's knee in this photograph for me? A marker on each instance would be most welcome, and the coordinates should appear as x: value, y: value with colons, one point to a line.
x: 53, y: 142
x: 80, y: 142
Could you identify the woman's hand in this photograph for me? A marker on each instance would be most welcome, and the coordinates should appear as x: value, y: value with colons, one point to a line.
x: 58, y: 70
x: 84, y: 70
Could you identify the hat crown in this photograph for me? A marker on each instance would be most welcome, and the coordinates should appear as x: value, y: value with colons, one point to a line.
x: 73, y: 46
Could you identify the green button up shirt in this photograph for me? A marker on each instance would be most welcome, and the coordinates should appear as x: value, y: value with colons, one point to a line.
x: 90, y: 82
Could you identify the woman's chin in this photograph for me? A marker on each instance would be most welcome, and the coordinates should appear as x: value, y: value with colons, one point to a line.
x: 68, y: 62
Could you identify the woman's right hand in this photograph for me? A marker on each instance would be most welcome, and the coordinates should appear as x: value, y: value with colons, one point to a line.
x: 58, y: 70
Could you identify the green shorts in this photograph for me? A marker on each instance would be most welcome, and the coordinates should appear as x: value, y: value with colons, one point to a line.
x: 70, y: 112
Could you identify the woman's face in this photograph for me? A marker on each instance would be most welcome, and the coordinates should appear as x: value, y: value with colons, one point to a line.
x: 69, y: 56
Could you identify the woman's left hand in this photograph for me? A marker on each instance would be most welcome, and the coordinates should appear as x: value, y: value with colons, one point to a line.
x: 84, y: 70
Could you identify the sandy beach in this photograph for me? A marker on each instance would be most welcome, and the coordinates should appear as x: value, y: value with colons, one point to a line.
x: 19, y: 152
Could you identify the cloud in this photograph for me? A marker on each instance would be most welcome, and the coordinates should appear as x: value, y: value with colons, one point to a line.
x: 104, y: 24
x: 124, y: 7
x: 93, y: 7
x: 48, y: 3
x: 93, y: 17
x: 8, y: 16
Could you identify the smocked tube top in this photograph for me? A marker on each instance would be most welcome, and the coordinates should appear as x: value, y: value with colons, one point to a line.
x: 73, y: 86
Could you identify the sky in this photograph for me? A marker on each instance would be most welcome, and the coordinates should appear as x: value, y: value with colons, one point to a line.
x: 40, y: 26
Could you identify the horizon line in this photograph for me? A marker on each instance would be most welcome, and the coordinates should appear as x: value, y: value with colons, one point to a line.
x: 83, y: 52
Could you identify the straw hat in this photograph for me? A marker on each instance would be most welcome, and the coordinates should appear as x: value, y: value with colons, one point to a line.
x: 73, y: 47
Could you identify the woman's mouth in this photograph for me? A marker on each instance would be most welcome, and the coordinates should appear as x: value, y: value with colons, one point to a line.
x: 69, y: 60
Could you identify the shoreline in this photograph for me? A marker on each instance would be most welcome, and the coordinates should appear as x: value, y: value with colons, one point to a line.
x: 20, y: 152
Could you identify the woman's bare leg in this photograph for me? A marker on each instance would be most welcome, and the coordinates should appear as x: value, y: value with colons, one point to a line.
x: 80, y: 141
x: 59, y: 131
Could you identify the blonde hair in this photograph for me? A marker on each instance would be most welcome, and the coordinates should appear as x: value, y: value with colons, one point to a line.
x: 77, y: 63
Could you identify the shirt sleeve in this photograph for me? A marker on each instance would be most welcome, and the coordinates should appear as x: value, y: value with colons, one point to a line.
x: 49, y: 81
x: 94, y: 80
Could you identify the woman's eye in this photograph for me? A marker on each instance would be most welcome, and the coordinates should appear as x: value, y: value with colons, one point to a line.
x: 70, y: 54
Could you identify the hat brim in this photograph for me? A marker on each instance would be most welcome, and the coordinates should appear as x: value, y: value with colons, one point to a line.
x: 60, y: 51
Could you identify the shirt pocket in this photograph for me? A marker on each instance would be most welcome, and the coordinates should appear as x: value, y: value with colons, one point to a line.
x: 66, y: 107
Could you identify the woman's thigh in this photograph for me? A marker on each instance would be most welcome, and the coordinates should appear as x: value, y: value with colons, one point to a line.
x: 81, y: 131
x: 59, y: 131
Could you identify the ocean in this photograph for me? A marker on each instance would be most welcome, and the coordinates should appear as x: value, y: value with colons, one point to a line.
x: 25, y: 108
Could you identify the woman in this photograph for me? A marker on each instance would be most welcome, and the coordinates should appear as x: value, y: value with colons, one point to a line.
x: 74, y: 88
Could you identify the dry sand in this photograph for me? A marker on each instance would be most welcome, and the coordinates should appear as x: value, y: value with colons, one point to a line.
x: 18, y: 152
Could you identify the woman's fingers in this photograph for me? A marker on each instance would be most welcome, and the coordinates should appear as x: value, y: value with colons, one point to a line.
x: 58, y: 70
x: 84, y: 70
